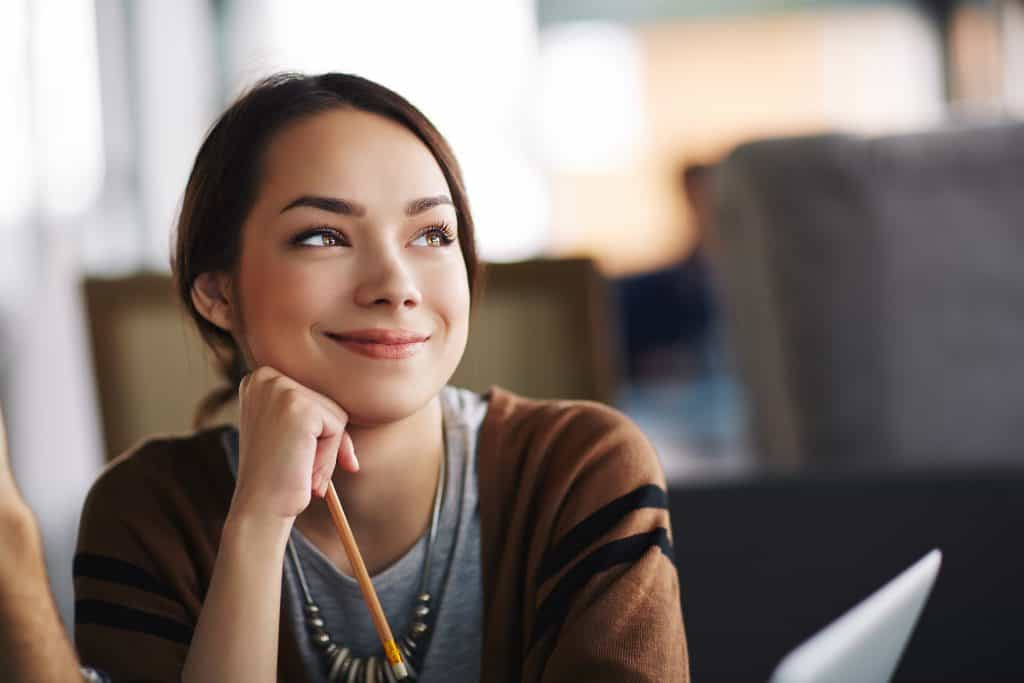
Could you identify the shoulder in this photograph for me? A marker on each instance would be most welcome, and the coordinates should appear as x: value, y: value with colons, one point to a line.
x: 513, y: 415
x: 574, y: 521
x: 156, y: 512
x: 566, y: 439
x: 147, y: 543
x: 162, y: 472
x: 166, y: 462
x: 556, y: 463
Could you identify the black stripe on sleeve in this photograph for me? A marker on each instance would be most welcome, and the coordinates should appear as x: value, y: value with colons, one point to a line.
x: 87, y: 565
x: 598, y: 524
x: 627, y: 550
x: 102, y: 613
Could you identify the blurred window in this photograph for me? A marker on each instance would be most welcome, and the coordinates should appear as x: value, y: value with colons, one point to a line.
x: 1013, y: 53
x: 466, y: 64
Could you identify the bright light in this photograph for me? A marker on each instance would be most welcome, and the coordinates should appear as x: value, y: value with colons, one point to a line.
x: 882, y: 71
x: 1013, y: 57
x: 592, y: 92
x: 466, y: 64
x: 66, y: 105
x: 17, y: 176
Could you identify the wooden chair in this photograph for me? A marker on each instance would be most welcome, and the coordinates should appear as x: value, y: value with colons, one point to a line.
x: 541, y: 329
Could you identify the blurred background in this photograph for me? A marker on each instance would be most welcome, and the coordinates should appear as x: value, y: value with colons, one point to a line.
x: 784, y: 236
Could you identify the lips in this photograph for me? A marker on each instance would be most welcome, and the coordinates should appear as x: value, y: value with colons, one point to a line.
x: 381, y: 344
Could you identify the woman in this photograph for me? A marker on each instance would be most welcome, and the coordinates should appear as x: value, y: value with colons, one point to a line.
x: 325, y: 250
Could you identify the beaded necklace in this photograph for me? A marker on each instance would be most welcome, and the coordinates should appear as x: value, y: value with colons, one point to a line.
x: 342, y: 665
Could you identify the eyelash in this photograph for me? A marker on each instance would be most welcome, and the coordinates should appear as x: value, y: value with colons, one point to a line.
x: 443, y: 229
x: 320, y: 230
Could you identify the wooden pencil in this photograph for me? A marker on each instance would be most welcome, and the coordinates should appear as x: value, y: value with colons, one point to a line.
x: 380, y: 622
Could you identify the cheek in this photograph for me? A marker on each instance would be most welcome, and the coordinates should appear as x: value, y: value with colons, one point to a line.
x: 451, y: 298
x: 279, y: 302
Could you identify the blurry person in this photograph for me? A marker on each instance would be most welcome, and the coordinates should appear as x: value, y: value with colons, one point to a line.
x: 672, y: 327
x: 668, y: 314
x: 325, y: 250
x: 698, y: 186
x: 33, y: 644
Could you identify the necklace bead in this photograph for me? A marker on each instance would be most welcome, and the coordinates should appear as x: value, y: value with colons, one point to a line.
x: 342, y: 664
x: 354, y: 671
x: 339, y: 663
x: 408, y: 665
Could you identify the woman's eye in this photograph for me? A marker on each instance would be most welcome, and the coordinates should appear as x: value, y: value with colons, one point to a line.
x: 434, y: 237
x: 320, y: 238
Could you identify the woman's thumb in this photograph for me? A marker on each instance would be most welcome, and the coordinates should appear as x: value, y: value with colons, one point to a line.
x: 347, y: 454
x: 324, y: 462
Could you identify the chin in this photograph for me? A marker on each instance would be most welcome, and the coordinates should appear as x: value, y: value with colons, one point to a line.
x: 376, y: 402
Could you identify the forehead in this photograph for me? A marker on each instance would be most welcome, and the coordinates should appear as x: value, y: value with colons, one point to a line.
x: 351, y: 154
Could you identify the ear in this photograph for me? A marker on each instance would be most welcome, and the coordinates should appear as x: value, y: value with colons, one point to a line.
x: 211, y: 295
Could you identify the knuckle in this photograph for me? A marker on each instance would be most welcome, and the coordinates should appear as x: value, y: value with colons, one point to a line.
x: 292, y: 401
x: 262, y: 374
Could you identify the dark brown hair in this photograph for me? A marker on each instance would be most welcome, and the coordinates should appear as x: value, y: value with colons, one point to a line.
x: 226, y: 176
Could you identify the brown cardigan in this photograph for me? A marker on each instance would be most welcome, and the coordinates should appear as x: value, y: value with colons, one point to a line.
x: 578, y: 577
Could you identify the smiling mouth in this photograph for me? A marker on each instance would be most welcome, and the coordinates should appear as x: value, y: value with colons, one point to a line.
x: 381, y: 344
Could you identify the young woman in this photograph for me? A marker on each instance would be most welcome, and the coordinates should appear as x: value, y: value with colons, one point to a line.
x: 325, y: 250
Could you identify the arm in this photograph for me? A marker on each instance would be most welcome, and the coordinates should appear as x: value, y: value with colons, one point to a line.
x: 291, y: 438
x: 169, y: 587
x: 624, y: 624
x: 608, y: 602
x: 178, y: 569
x: 33, y: 645
x: 178, y: 572
x: 237, y: 634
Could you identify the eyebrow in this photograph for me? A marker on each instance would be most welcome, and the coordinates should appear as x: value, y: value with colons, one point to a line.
x: 418, y: 206
x: 332, y: 204
x: 345, y: 207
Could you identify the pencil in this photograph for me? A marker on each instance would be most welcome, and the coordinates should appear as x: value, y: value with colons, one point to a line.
x: 380, y: 622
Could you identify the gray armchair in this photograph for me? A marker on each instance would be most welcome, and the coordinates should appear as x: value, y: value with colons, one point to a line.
x: 876, y: 294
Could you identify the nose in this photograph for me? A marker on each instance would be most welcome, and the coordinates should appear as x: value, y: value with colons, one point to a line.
x: 386, y: 280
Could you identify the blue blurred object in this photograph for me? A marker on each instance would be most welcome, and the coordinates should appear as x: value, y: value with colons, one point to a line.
x: 680, y: 386
x: 671, y: 308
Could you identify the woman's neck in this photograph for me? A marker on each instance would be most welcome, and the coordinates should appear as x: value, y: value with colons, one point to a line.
x: 388, y: 502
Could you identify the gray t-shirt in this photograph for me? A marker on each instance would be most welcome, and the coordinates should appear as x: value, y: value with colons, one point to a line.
x: 452, y: 651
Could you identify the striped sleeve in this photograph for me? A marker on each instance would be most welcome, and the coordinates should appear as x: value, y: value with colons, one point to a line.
x: 119, y: 589
x: 606, y: 586
x: 141, y: 556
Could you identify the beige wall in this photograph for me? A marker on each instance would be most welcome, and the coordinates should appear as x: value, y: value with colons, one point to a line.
x: 713, y: 84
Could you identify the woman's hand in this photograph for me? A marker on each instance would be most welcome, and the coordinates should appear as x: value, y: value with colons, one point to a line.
x: 291, y: 439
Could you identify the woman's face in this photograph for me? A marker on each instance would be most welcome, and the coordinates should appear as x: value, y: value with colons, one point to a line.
x: 351, y: 280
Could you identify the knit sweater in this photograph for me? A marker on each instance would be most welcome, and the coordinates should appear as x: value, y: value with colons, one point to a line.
x: 578, y: 577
